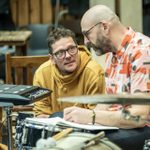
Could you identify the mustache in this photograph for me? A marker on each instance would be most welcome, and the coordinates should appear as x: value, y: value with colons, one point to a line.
x: 92, y: 47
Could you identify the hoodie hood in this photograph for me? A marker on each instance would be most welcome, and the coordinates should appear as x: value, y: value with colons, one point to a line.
x: 84, y: 58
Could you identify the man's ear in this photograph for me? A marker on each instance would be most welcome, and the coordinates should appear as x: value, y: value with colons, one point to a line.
x: 52, y: 58
x: 105, y: 27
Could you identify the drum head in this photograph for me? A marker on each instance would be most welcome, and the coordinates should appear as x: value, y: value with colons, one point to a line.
x: 76, y: 141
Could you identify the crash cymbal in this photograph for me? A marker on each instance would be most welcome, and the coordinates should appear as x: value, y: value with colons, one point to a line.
x: 143, y: 99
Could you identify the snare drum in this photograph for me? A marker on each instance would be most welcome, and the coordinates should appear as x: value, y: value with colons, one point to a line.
x: 78, y: 142
x: 34, y: 129
x: 19, y: 127
x: 82, y: 141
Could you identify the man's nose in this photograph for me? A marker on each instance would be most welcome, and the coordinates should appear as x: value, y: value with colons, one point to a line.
x: 67, y: 54
x: 86, y: 40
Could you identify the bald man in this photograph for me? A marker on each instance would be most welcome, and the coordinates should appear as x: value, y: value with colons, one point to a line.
x: 127, y: 71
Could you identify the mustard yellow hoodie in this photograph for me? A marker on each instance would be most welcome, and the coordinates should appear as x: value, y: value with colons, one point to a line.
x: 87, y: 79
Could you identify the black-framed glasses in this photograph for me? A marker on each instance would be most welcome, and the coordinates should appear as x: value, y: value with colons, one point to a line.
x: 86, y: 33
x: 61, y: 54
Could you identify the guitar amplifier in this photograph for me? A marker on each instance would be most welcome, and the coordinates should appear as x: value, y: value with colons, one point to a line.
x: 22, y: 94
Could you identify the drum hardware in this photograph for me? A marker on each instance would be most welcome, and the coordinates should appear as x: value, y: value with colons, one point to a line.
x: 21, y: 130
x: 8, y: 108
x: 11, y: 95
x: 142, y: 99
x: 30, y: 132
x: 52, y: 129
x: 43, y: 132
x: 24, y: 136
x: 139, y: 99
x: 147, y: 145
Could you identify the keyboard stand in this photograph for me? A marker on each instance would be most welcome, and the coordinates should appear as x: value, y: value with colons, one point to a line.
x: 7, y: 107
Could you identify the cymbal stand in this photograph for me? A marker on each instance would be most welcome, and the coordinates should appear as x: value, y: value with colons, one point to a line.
x: 7, y: 107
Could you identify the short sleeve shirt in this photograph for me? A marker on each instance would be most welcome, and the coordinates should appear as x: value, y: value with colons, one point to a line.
x: 128, y: 70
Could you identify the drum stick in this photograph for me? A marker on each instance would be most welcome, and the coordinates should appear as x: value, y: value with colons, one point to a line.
x: 96, y: 137
x: 62, y: 134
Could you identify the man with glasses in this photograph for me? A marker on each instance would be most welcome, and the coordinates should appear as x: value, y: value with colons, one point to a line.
x: 69, y: 72
x: 127, y: 71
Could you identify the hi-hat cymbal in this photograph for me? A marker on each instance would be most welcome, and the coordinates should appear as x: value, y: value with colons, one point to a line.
x: 143, y: 99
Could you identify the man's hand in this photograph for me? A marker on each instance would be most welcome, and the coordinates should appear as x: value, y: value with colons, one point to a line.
x: 78, y: 115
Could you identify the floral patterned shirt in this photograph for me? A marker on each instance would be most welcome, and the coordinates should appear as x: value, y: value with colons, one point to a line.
x: 128, y: 70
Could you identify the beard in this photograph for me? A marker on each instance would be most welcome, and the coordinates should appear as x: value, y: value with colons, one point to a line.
x: 102, y: 46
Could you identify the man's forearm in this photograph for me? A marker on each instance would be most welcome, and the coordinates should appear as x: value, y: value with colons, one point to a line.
x: 116, y: 118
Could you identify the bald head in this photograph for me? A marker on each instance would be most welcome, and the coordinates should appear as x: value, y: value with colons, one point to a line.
x: 102, y: 29
x: 97, y: 14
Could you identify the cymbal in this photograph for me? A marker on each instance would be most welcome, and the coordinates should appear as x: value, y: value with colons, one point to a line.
x: 143, y: 99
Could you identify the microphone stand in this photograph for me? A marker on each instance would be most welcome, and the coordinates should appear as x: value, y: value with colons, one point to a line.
x: 7, y: 107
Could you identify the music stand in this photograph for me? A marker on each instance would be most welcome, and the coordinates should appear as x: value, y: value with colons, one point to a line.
x: 7, y: 107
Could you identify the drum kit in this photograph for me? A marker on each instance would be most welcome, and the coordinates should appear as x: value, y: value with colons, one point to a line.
x: 30, y: 135
x: 142, y: 99
x: 123, y: 99
x: 39, y: 137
